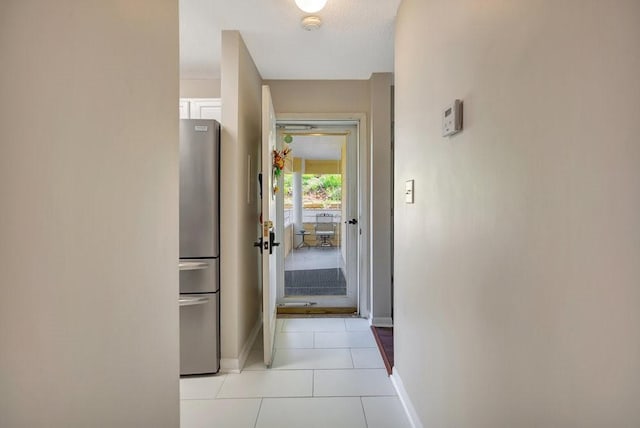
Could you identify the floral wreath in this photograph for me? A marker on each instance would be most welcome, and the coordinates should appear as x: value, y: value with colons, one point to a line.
x: 279, y: 160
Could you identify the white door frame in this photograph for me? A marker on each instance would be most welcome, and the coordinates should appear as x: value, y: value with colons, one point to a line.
x: 363, y: 154
x: 269, y: 227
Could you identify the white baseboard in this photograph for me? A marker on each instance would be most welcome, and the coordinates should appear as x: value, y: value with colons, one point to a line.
x: 382, y: 322
x: 405, y: 400
x: 235, y: 365
x: 248, y: 346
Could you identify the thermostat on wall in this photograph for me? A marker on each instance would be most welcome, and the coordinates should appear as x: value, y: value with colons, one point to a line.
x: 452, y: 119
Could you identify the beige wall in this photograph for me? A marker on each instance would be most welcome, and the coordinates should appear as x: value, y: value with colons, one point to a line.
x: 200, y: 88
x: 381, y: 184
x: 315, y: 166
x: 320, y: 96
x: 241, y: 115
x: 288, y: 240
x: 517, y: 275
x: 89, y: 217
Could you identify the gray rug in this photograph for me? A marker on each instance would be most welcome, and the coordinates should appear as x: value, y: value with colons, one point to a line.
x: 316, y: 282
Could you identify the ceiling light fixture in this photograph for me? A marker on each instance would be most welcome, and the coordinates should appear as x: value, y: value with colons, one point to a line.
x: 311, y: 23
x: 311, y: 6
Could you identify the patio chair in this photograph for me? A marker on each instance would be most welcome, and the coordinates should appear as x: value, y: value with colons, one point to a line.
x: 325, y: 229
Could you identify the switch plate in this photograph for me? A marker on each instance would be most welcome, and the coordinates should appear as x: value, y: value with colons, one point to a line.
x: 408, y: 192
x: 452, y: 119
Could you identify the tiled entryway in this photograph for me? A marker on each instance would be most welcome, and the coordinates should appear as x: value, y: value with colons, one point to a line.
x: 327, y: 372
x: 314, y: 258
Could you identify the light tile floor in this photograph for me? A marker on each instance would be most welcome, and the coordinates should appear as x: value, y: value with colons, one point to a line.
x: 326, y: 372
x: 314, y: 258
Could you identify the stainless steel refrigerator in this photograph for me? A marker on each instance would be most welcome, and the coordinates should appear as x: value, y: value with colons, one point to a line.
x: 199, y: 246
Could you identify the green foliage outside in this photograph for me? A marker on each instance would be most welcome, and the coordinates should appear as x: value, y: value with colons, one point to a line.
x: 322, y: 189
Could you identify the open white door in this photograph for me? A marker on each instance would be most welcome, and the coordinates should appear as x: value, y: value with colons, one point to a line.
x: 323, y: 273
x: 269, y: 272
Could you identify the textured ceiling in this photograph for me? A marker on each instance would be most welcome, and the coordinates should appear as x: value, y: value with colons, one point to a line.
x: 355, y: 40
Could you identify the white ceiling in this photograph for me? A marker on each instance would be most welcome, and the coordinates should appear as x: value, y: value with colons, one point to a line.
x: 355, y: 40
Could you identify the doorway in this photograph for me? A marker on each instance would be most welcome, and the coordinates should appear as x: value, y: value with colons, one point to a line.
x: 319, y: 210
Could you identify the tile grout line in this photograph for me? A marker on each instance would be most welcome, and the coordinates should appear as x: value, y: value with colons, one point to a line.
x: 255, y: 424
x: 226, y: 376
x: 336, y: 348
x: 364, y: 413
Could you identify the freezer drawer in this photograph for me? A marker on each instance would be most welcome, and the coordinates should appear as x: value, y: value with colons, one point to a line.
x: 199, y: 334
x: 198, y: 275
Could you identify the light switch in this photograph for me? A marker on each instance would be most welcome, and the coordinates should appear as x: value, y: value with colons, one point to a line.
x: 408, y: 192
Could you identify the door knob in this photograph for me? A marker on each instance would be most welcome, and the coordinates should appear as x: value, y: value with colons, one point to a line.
x: 352, y: 221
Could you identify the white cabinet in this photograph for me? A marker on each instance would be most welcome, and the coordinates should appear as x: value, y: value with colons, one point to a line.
x: 201, y: 108
x: 206, y: 109
x: 183, y: 107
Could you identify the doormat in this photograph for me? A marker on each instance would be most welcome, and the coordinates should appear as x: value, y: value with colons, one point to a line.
x: 315, y: 282
x: 384, y: 339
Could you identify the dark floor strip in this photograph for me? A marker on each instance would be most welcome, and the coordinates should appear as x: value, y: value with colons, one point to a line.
x: 384, y: 339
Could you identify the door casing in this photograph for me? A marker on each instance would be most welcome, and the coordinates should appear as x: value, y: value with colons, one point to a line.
x: 363, y: 174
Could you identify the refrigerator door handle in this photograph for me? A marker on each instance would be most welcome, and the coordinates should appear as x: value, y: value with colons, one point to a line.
x: 183, y: 301
x: 193, y: 265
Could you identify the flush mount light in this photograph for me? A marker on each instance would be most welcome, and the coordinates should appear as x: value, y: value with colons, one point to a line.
x: 311, y: 6
x: 311, y: 23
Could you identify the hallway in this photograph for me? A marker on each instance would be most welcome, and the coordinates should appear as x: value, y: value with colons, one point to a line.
x: 327, y: 372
